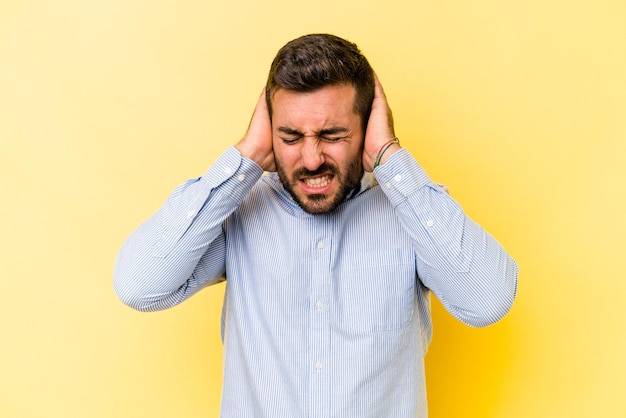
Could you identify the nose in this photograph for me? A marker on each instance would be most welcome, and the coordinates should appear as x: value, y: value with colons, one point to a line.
x: 312, y: 154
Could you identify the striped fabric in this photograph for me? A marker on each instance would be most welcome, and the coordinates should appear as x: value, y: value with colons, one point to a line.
x: 324, y: 315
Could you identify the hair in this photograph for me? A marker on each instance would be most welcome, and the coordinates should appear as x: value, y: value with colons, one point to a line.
x: 314, y: 61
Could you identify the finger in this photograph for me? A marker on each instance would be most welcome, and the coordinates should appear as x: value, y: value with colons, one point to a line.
x: 379, y: 93
x: 378, y: 88
x: 261, y: 113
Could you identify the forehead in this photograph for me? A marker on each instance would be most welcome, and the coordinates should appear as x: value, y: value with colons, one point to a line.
x: 329, y: 104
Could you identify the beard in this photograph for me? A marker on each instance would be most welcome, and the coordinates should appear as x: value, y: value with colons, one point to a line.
x: 315, y: 204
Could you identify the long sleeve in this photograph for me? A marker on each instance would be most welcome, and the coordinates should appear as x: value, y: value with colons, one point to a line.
x: 181, y: 248
x: 465, y: 267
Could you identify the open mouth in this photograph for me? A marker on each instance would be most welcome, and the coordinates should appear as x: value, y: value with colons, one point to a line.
x: 316, y: 182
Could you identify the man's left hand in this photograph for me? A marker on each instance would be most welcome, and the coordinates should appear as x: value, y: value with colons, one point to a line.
x: 379, y: 129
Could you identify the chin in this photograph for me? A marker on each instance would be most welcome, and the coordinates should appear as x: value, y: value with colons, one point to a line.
x: 318, y: 204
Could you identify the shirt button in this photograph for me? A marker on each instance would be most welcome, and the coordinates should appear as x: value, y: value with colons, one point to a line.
x: 190, y: 214
x: 227, y: 170
x: 318, y: 366
x: 319, y: 305
x: 241, y: 177
x: 320, y: 245
x: 398, y: 177
x: 388, y: 185
x: 430, y: 223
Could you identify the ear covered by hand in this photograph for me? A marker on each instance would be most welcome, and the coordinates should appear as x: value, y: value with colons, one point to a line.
x: 257, y: 142
x: 379, y: 131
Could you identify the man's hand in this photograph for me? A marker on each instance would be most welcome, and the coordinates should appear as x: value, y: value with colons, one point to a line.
x: 379, y: 129
x: 256, y: 144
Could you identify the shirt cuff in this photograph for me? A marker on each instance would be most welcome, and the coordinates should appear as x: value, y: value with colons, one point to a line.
x: 235, y: 174
x: 401, y: 176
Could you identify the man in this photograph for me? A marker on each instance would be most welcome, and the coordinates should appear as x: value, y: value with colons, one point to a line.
x: 329, y: 258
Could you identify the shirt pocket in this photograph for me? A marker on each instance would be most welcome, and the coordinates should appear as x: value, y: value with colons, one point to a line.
x: 376, y: 291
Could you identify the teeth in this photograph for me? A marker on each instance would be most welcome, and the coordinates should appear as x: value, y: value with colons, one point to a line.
x: 317, y: 181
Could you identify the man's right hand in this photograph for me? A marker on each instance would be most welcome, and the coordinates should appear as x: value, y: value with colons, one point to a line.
x: 256, y: 144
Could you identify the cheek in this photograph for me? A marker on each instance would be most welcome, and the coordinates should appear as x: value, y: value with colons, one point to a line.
x: 287, y: 154
x: 344, y: 156
x: 285, y: 157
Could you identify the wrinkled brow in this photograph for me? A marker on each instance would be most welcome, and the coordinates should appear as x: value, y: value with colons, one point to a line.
x: 326, y: 131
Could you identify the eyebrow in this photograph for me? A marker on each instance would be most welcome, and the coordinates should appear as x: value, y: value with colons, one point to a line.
x: 289, y: 131
x: 333, y: 130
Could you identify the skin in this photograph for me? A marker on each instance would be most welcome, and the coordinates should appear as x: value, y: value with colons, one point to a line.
x: 315, y: 142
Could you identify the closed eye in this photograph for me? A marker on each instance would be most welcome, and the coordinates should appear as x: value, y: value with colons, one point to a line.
x: 290, y: 139
x: 333, y: 138
x: 334, y: 134
x: 289, y: 135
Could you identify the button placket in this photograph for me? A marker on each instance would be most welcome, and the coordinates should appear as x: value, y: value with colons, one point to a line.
x: 319, y: 353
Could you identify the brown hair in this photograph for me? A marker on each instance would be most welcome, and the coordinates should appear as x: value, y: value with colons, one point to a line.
x: 314, y: 61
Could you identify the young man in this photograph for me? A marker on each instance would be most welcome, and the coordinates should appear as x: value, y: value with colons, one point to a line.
x: 330, y: 257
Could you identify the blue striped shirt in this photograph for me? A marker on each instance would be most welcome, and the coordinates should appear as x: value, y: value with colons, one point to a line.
x: 324, y: 315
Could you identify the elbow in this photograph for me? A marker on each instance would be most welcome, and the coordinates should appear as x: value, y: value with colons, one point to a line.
x: 130, y: 287
x: 135, y: 303
x: 130, y: 296
x: 497, y: 301
x: 141, y: 291
x: 491, y: 312
x: 485, y: 313
x: 489, y: 303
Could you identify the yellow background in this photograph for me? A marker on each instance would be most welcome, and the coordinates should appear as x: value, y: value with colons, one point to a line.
x: 105, y: 106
